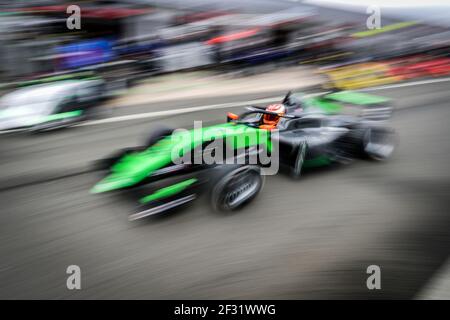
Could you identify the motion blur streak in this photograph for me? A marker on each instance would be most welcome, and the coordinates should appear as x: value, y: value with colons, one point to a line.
x: 69, y: 98
x: 392, y: 214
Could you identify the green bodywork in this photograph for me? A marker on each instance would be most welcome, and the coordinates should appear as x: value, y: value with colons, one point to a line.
x: 319, y: 161
x: 333, y: 103
x: 61, y: 116
x: 168, y: 191
x: 49, y: 118
x: 135, y: 167
x: 321, y: 104
x: 356, y: 98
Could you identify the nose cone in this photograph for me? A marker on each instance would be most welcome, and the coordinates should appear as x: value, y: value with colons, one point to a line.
x: 112, y: 182
x: 135, y: 167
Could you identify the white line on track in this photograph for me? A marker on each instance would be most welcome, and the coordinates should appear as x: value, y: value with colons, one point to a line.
x: 407, y: 84
x: 155, y: 114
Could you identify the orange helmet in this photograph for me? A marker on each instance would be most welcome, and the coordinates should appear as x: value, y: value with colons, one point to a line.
x: 272, y: 120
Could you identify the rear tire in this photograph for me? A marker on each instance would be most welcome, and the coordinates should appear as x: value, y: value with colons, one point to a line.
x: 374, y: 143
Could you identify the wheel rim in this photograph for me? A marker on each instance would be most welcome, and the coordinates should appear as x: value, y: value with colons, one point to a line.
x: 241, y: 188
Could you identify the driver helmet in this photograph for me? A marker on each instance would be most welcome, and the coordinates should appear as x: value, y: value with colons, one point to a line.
x: 272, y: 120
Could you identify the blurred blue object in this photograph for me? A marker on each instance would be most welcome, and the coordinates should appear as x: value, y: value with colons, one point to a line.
x: 85, y: 53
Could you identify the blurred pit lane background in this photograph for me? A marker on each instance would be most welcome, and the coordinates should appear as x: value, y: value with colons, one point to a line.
x: 145, y: 62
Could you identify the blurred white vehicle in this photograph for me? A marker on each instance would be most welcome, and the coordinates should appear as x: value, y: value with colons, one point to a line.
x: 50, y: 106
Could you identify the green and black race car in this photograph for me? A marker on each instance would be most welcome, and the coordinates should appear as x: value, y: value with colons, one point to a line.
x: 228, y: 162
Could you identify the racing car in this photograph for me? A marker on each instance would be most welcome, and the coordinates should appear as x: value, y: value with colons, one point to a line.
x: 50, y: 106
x: 303, y: 131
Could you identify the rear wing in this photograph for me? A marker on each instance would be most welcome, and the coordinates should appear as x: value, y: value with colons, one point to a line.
x: 374, y: 107
x: 357, y: 98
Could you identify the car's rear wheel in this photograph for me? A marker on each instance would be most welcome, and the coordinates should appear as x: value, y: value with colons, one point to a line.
x: 236, y: 187
x: 378, y: 143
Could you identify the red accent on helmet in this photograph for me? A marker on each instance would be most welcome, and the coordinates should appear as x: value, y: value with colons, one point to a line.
x: 278, y: 108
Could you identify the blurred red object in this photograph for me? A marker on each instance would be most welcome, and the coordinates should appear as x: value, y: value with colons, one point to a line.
x: 420, y: 66
x: 233, y: 36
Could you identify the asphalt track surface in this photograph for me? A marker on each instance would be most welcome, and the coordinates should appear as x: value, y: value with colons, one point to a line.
x: 311, y: 238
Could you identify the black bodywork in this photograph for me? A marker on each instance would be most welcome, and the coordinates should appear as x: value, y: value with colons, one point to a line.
x: 304, y: 139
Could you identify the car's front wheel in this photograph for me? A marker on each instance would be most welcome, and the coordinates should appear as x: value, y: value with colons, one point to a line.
x: 236, y: 187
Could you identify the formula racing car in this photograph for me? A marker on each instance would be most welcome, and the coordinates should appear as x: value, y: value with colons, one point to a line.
x: 228, y: 162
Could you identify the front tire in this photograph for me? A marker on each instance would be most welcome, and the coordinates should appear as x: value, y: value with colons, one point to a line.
x: 236, y: 187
